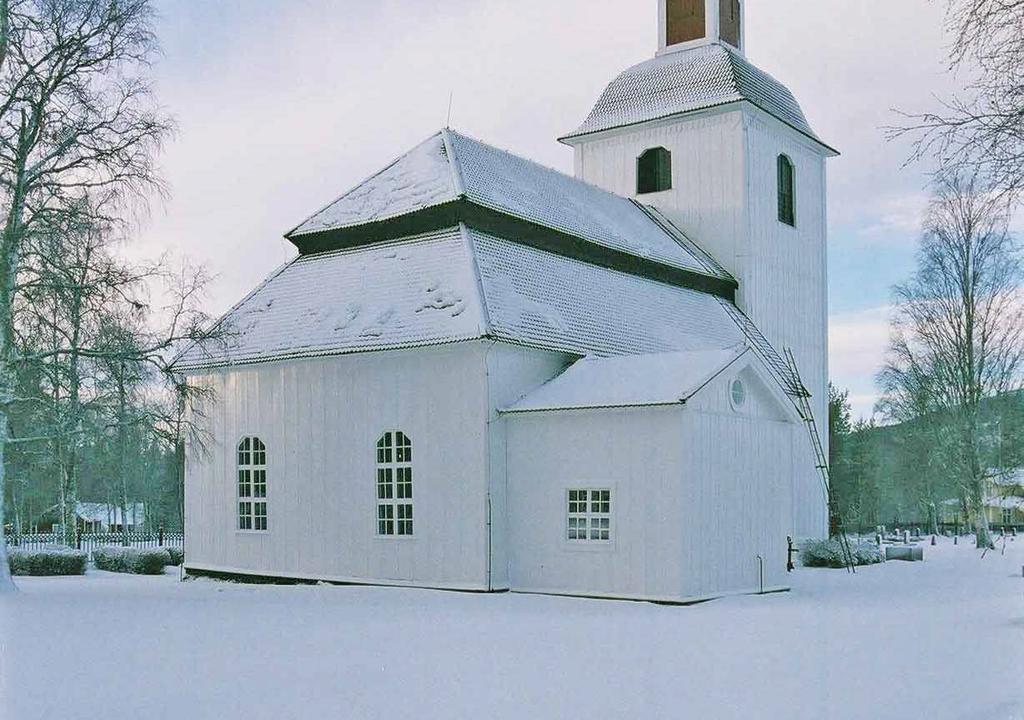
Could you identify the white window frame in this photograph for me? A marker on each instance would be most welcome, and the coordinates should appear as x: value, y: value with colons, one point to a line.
x: 1007, y: 516
x: 591, y: 514
x: 394, y: 516
x: 251, y: 487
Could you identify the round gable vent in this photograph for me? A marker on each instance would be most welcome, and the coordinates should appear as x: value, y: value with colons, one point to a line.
x: 738, y: 394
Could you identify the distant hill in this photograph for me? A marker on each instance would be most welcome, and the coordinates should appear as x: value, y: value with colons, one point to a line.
x: 889, y: 474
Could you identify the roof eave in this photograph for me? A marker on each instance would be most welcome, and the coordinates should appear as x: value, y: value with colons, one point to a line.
x: 488, y: 220
x: 578, y: 137
x: 580, y: 408
x: 228, y: 364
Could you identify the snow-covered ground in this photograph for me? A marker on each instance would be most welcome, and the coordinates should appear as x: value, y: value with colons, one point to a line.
x: 943, y: 639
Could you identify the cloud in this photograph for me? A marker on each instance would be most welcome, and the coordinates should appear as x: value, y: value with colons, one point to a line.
x: 896, y: 217
x: 857, y: 345
x: 283, y: 106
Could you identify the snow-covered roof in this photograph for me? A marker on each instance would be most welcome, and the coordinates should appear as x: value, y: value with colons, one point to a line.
x: 456, y: 285
x: 450, y: 168
x: 686, y: 81
x: 418, y: 291
x: 545, y: 300
x: 993, y: 501
x: 1005, y: 502
x: 630, y: 381
x: 421, y: 178
x: 1011, y: 479
x: 108, y: 513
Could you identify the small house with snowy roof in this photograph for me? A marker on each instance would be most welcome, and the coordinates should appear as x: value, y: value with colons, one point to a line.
x: 482, y: 374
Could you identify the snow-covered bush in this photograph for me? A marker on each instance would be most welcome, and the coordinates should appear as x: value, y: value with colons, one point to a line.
x: 177, y: 556
x: 49, y: 561
x: 829, y: 553
x: 137, y: 561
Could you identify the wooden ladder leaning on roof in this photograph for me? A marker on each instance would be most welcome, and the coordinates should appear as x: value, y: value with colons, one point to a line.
x: 836, y: 528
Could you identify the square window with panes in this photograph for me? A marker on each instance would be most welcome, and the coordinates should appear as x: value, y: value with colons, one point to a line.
x: 589, y: 515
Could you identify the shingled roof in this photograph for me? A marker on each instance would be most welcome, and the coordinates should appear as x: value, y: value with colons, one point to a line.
x: 461, y: 284
x: 455, y: 285
x: 685, y: 81
x: 451, y: 178
x: 458, y: 241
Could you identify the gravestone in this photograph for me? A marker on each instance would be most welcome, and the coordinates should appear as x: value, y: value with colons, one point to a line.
x: 909, y: 553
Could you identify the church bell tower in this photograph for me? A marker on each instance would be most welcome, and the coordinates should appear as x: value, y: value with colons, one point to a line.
x: 688, y: 23
x: 725, y: 152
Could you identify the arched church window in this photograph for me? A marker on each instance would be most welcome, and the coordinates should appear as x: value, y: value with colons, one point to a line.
x: 252, y: 485
x: 394, y: 484
x: 654, y: 171
x: 787, y: 191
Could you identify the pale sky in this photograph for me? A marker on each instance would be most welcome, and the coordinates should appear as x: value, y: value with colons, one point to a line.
x: 282, y: 106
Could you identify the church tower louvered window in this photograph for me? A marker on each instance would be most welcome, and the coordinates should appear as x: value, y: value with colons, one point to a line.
x: 654, y: 171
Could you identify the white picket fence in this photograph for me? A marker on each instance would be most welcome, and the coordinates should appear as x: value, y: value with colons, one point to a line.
x: 91, y: 541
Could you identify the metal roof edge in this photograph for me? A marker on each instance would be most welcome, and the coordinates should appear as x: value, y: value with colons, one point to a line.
x: 314, y: 354
x: 582, y: 408
x: 586, y: 135
x: 485, y: 314
x: 173, y: 366
x: 458, y: 182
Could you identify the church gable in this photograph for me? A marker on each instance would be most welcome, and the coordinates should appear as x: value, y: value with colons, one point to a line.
x: 746, y: 390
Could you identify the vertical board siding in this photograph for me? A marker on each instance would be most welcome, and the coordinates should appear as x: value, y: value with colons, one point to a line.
x: 698, y: 492
x: 320, y: 420
x: 785, y: 283
x: 706, y: 199
x: 635, y: 453
x: 512, y: 372
x: 739, y: 491
x: 725, y: 197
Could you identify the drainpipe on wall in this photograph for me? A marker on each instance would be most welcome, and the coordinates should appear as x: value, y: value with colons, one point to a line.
x: 490, y: 470
x: 490, y: 586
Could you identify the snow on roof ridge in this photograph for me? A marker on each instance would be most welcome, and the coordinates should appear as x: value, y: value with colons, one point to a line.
x: 453, y: 163
x: 467, y: 240
x: 451, y: 166
x: 456, y: 180
x: 536, y: 164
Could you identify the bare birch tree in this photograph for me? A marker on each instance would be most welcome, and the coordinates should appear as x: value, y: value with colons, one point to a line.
x: 982, y: 129
x: 958, y: 331
x: 76, y: 116
x: 70, y: 276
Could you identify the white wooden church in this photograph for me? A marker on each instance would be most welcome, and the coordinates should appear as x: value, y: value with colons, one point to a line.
x: 482, y: 374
